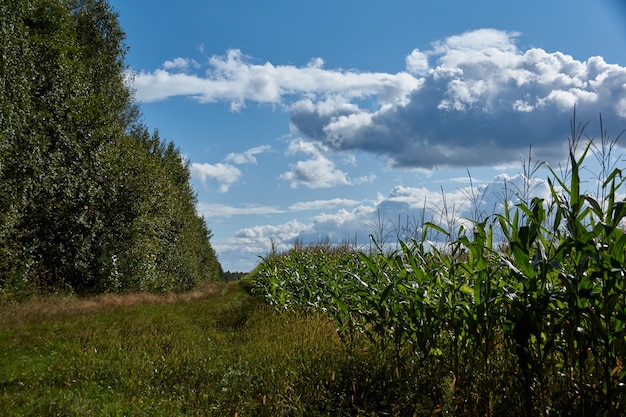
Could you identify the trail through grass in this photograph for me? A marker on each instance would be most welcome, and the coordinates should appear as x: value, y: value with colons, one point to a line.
x: 214, y: 352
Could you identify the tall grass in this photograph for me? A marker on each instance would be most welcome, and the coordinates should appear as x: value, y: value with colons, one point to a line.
x: 218, y: 352
x: 532, y: 323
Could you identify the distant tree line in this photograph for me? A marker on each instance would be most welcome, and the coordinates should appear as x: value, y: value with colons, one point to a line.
x: 90, y: 200
x: 233, y: 275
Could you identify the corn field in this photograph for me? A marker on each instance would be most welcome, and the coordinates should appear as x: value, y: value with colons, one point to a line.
x: 523, y: 312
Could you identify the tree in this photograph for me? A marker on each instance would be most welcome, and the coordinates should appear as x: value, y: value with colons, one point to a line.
x: 89, y: 200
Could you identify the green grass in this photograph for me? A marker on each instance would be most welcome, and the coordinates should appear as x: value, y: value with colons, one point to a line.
x: 220, y: 352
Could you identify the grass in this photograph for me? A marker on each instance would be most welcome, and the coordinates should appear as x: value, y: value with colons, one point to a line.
x: 217, y: 352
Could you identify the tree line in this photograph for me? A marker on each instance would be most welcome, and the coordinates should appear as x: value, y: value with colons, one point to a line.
x: 90, y: 199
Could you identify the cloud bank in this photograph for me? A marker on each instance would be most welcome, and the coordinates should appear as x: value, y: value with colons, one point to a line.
x: 480, y: 101
x: 472, y: 99
x: 399, y: 214
x: 223, y: 210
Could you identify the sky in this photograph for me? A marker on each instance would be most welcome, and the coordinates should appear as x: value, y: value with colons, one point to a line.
x: 311, y: 121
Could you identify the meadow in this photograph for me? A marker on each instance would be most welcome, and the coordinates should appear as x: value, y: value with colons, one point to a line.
x: 521, y: 312
x: 217, y: 351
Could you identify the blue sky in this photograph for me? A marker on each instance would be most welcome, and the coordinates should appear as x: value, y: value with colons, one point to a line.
x: 309, y: 119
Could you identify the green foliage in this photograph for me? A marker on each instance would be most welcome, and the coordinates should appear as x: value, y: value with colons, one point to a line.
x: 533, y: 325
x: 89, y: 200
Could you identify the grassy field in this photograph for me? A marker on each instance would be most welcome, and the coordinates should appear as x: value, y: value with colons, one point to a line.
x: 521, y: 312
x: 217, y: 351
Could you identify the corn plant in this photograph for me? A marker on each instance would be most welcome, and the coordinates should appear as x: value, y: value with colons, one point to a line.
x: 565, y: 309
x: 590, y: 260
x: 529, y: 293
x: 545, y: 306
x: 400, y: 308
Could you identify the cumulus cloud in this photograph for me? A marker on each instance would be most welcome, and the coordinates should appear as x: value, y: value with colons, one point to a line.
x: 417, y: 62
x: 482, y: 102
x: 281, y: 233
x: 225, y: 174
x: 471, y: 99
x: 316, y: 172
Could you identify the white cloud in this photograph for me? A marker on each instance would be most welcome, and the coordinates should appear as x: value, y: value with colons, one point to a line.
x: 482, y: 41
x: 232, y: 78
x: 302, y: 146
x: 316, y: 172
x: 475, y: 98
x: 482, y: 101
x: 247, y: 157
x: 224, y: 210
x: 350, y: 220
x: 522, y: 106
x: 322, y: 204
x: 316, y: 63
x: 161, y: 85
x: 365, y: 179
x: 281, y: 233
x: 417, y: 62
x: 225, y: 174
x: 181, y: 64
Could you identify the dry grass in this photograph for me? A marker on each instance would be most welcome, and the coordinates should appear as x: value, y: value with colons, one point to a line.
x: 63, y: 305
